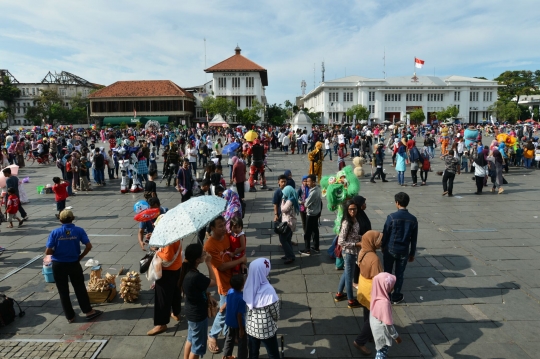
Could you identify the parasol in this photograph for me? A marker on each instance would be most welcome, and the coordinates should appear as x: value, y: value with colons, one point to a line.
x: 230, y: 149
x: 14, y: 172
x: 251, y: 135
x: 185, y: 219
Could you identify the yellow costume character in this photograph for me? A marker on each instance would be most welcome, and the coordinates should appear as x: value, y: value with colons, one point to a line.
x: 316, y: 159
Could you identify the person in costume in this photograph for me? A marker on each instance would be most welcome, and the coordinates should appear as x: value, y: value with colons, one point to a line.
x: 316, y: 159
x: 257, y: 154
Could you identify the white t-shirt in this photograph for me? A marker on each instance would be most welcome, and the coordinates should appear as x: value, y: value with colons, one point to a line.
x: 327, y: 144
x: 341, y: 138
x: 192, y: 155
x: 537, y: 155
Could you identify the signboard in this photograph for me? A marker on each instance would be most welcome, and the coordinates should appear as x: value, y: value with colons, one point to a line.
x: 412, y: 108
x: 135, y: 120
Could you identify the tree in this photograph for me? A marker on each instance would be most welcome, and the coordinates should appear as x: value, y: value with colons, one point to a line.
x: 505, y: 111
x: 8, y: 94
x: 315, y: 116
x: 3, y: 119
x: 361, y: 112
x: 417, y: 116
x: 250, y: 116
x: 219, y: 105
x: 276, y: 115
x: 449, y: 112
x: 517, y: 83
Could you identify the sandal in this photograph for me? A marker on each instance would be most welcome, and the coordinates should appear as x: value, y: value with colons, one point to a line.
x: 212, y: 345
x: 96, y: 314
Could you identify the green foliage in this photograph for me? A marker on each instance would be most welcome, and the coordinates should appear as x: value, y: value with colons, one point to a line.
x: 8, y: 94
x: 449, y: 112
x: 123, y: 125
x: 3, y: 119
x: 505, y: 111
x: 361, y: 112
x: 315, y: 116
x: 277, y: 115
x: 417, y: 116
x: 517, y: 83
x: 220, y: 105
x: 250, y: 116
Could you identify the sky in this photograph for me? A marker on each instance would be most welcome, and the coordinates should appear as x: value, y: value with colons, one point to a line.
x: 107, y: 41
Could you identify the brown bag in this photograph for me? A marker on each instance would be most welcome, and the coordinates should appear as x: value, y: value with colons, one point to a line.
x: 212, y: 305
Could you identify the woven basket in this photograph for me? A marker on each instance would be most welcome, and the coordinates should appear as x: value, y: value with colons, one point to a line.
x: 97, y: 297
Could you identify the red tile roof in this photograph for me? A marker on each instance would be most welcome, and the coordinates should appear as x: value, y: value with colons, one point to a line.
x: 144, y: 88
x: 238, y: 62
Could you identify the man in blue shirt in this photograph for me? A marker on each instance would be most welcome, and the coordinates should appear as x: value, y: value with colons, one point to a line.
x: 400, y: 234
x: 64, y: 246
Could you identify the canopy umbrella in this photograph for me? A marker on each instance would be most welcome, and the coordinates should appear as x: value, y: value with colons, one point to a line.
x: 185, y: 219
x: 14, y: 172
x: 225, y: 125
x: 251, y: 135
x: 230, y: 148
x: 217, y: 121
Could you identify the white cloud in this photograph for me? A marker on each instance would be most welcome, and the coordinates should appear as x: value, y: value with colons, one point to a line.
x: 106, y: 41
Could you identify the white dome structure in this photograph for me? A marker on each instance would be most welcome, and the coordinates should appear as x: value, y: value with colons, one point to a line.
x: 302, y: 121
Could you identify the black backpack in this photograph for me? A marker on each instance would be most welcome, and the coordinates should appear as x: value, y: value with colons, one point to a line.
x: 7, y: 310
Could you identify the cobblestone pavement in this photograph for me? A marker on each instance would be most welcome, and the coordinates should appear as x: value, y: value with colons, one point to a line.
x: 472, y: 292
x: 52, y: 349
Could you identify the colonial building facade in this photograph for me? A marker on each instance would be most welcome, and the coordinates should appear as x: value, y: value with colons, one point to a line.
x: 394, y: 97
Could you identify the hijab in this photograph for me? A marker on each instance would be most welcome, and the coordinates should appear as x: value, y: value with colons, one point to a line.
x: 234, y: 207
x: 289, y: 194
x: 369, y: 263
x: 480, y: 161
x: 305, y: 189
x: 258, y: 292
x: 380, y: 307
x: 498, y: 157
x: 361, y: 216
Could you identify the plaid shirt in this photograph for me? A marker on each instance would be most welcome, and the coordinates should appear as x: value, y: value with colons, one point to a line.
x: 451, y: 164
x: 261, y: 322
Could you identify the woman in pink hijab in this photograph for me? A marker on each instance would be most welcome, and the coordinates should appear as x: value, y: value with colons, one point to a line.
x: 380, y: 317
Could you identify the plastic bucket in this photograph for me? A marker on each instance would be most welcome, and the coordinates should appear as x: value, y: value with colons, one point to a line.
x: 40, y: 189
x: 48, y: 274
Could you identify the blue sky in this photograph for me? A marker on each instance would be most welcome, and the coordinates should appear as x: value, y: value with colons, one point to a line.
x: 107, y: 41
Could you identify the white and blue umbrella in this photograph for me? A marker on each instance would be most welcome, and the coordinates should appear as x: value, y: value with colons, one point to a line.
x: 186, y: 219
x: 230, y: 149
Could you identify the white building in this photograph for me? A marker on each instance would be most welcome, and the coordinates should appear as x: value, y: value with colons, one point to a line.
x: 392, y: 98
x: 239, y: 79
x: 66, y: 84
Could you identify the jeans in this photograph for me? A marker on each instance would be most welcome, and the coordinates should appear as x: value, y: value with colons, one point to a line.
x: 72, y: 271
x: 219, y: 321
x: 312, y: 229
x: 328, y: 152
x: 110, y: 172
x: 285, y: 240
x: 347, y: 276
x: 193, y: 166
x: 448, y: 181
x: 401, y: 177
x: 142, y: 177
x: 98, y: 176
x: 335, y: 148
x: 234, y: 333
x: 527, y: 162
x: 271, y: 345
x: 400, y: 261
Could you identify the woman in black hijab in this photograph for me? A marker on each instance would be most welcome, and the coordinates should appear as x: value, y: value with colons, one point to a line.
x: 480, y: 172
x: 365, y: 225
x: 498, y: 161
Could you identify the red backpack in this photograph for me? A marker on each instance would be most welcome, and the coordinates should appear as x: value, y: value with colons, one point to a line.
x: 425, y: 164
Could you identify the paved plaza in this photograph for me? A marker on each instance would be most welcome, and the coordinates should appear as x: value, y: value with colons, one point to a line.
x: 472, y: 292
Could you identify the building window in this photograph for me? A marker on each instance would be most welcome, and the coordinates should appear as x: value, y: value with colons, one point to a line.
x: 371, y: 108
x: 457, y: 95
x: 474, y: 96
x: 333, y: 96
x: 488, y: 96
x: 392, y: 97
x: 222, y: 82
x: 249, y: 101
x: 347, y: 97
x: 250, y: 81
x: 414, y: 97
x: 236, y: 82
x: 34, y: 91
x: 371, y: 95
x: 236, y: 100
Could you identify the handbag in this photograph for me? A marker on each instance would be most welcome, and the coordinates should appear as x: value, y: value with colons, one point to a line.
x: 155, y: 270
x: 280, y: 227
x: 145, y: 261
x: 212, y: 305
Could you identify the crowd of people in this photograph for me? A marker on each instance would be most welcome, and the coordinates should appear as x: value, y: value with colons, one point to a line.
x: 193, y: 163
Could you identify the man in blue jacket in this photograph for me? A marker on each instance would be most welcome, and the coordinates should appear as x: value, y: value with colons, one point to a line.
x: 399, y: 242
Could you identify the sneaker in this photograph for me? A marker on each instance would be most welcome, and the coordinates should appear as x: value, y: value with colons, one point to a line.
x: 398, y: 299
x: 339, y: 297
x: 264, y: 187
x: 353, y: 304
x: 313, y: 249
x: 252, y: 189
x: 385, y: 180
x: 372, y: 181
x: 304, y: 253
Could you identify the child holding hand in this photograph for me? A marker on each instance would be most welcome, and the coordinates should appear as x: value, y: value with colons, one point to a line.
x: 237, y: 243
x: 12, y: 207
x: 380, y: 317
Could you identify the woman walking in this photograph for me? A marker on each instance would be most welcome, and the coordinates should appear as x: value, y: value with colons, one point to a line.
x: 401, y: 166
x: 349, y: 240
x: 289, y: 209
x: 263, y: 310
x: 303, y: 193
x: 498, y: 161
x: 365, y: 225
x: 480, y: 172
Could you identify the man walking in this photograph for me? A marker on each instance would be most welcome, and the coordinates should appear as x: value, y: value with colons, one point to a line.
x: 13, y: 182
x: 313, y: 206
x: 379, y: 161
x: 400, y: 234
x: 452, y: 166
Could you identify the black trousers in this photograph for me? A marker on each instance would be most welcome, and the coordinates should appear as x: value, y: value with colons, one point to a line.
x: 448, y: 181
x: 366, y: 334
x: 232, y: 334
x: 414, y: 175
x: 379, y: 172
x: 72, y: 271
x: 479, y: 183
x: 312, y: 230
x: 167, y: 297
x: 423, y: 175
x: 241, y: 190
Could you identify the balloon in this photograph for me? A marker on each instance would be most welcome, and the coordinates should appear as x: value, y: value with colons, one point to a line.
x: 140, y: 206
x: 147, y: 215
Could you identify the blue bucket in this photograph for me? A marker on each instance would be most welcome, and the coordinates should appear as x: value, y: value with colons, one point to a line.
x: 48, y: 274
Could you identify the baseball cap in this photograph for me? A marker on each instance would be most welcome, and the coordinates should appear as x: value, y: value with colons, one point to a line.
x: 66, y: 214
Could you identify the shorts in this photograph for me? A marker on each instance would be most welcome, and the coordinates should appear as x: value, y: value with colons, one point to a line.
x: 11, y: 217
x: 198, y: 336
x: 61, y: 205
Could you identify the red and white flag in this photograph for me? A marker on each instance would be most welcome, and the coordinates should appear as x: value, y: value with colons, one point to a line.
x: 418, y: 63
